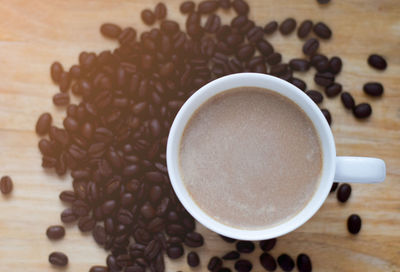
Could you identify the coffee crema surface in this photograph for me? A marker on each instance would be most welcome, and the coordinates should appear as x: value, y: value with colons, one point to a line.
x: 250, y: 158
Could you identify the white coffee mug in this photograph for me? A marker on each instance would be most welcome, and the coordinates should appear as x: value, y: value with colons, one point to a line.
x: 340, y: 169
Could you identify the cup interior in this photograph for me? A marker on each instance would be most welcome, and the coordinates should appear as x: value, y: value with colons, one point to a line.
x: 274, y: 84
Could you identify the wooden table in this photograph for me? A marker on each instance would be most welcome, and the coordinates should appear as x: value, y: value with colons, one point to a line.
x: 34, y: 33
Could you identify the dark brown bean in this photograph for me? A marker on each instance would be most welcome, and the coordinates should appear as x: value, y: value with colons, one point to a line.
x: 193, y: 259
x: 362, y: 110
x: 298, y: 83
x: 245, y: 246
x: 243, y: 266
x: 240, y: 6
x: 274, y: 58
x: 322, y: 30
x: 271, y: 27
x: 377, y: 61
x: 334, y: 187
x: 98, y: 268
x: 64, y: 81
x: 304, y: 263
x: 344, y: 192
x: 187, y: 7
x: 285, y: 262
x: 323, y: 1
x: 148, y: 17
x: 315, y: 96
x: 6, y: 185
x: 335, y: 65
x: 169, y: 27
x: 55, y: 232
x: 299, y: 64
x: 268, y: 262
x: 354, y: 224
x: 110, y: 30
x: 175, y: 251
x: 214, y: 264
x: 347, y: 100
x: 160, y: 11
x: 322, y: 66
x: 231, y: 255
x: 43, y: 123
x: 287, y: 26
x: 67, y: 196
x: 373, y: 88
x: 58, y: 259
x: 324, y: 79
x: 56, y: 70
x: 68, y: 216
x: 304, y: 29
x: 225, y: 4
x: 333, y: 90
x: 194, y: 239
x: 255, y: 34
x: 213, y: 23
x: 245, y: 52
x: 265, y: 48
x: 227, y: 239
x: 99, y: 235
x: 208, y: 6
x: 310, y: 46
x: 86, y: 224
x: 267, y: 245
x: 327, y: 115
x: 61, y: 99
x: 315, y: 59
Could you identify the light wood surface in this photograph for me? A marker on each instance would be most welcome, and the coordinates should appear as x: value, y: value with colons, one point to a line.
x: 35, y: 33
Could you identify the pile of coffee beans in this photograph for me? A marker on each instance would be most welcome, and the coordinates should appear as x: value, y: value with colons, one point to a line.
x: 113, y: 141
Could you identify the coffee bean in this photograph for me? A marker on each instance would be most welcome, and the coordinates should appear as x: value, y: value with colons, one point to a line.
x: 298, y: 83
x: 56, y: 70
x: 86, y: 224
x: 334, y: 187
x: 98, y: 268
x: 304, y: 263
x: 274, y: 58
x: 67, y: 196
x: 240, y: 6
x: 110, y: 30
x: 152, y: 249
x: 354, y: 223
x: 213, y: 23
x: 231, y: 255
x: 286, y: 262
x: 58, y: 259
x: 227, y: 239
x: 175, y: 251
x: 333, y: 90
x: 268, y: 262
x: 6, y: 185
x: 255, y: 34
x: 267, y: 245
x: 322, y: 66
x: 265, y: 48
x: 362, y: 110
x: 55, y: 232
x: 245, y: 52
x: 335, y: 65
x: 327, y: 115
x: 377, y: 61
x: 169, y: 27
x: 224, y: 269
x: 347, y: 100
x: 271, y: 27
x: 61, y: 99
x: 344, y: 192
x: 323, y: 1
x: 64, y: 81
x: 109, y: 206
x: 194, y: 239
x: 160, y: 11
x: 187, y: 7
x: 322, y: 30
x: 208, y: 6
x: 304, y: 29
x: 373, y: 88
x: 193, y: 259
x: 99, y: 235
x: 315, y: 96
x: 43, y: 123
x: 68, y: 216
x: 148, y: 17
x: 299, y: 64
x: 324, y: 79
x: 245, y: 246
x: 315, y: 59
x: 310, y: 46
x: 243, y: 266
x: 214, y: 264
x: 287, y: 26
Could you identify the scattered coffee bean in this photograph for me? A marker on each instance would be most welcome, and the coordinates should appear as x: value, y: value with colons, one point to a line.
x: 224, y: 269
x: 362, y: 110
x: 333, y: 90
x: 324, y: 79
x: 243, y: 266
x: 268, y: 262
x: 214, y: 264
x: 267, y: 245
x: 274, y: 58
x: 322, y: 30
x: 110, y: 30
x: 245, y: 246
x: 304, y: 263
x: 61, y: 99
x: 231, y: 255
x: 193, y: 259
x: 225, y: 4
x: 315, y: 96
x: 56, y: 70
x: 322, y: 66
x: 194, y: 239
x: 43, y: 124
x: 344, y: 192
x: 323, y: 1
x: 148, y: 17
x: 334, y: 187
x: 175, y: 251
x: 327, y: 115
x: 298, y: 83
x: 6, y: 185
x: 304, y: 29
x: 68, y: 216
x: 160, y: 11
x: 315, y: 59
x: 208, y: 6
x: 335, y: 65
x: 287, y: 26
x: 299, y: 64
x: 286, y: 262
x: 354, y: 223
x: 55, y: 232
x: 377, y: 61
x: 187, y: 7
x: 227, y: 239
x: 347, y: 100
x: 271, y: 27
x: 373, y: 88
x: 58, y: 259
x: 98, y: 268
x: 310, y: 46
x: 240, y: 6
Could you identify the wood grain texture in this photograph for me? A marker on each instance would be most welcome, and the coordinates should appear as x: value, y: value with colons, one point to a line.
x: 34, y: 33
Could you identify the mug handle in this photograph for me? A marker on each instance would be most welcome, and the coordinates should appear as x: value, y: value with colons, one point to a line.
x: 359, y: 170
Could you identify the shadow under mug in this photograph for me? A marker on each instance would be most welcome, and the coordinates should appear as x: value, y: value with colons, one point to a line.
x: 340, y: 169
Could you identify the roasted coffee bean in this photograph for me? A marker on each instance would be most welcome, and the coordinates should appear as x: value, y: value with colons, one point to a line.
x: 317, y: 58
x: 86, y: 223
x: 169, y: 27
x: 265, y: 48
x: 377, y: 61
x: 274, y: 58
x: 214, y: 264
x: 64, y: 81
x: 255, y: 34
x: 323, y: 1
x: 334, y: 187
x: 193, y: 259
x: 213, y: 23
x: 67, y: 196
x: 304, y: 29
x: 55, y: 71
x: 315, y: 96
x: 187, y: 7
x: 48, y: 148
x: 112, y: 264
x: 335, y: 65
x: 304, y: 263
x: 6, y: 185
x: 267, y: 245
x: 347, y: 100
x: 110, y: 30
x: 362, y: 110
x: 75, y: 72
x: 354, y: 224
x: 268, y: 262
x: 224, y: 269
x: 160, y: 11
x: 98, y: 268
x: 152, y: 249
x: 227, y: 239
x: 70, y: 124
x: 245, y: 246
x: 125, y: 217
x: 175, y: 251
x: 61, y: 99
x: 243, y: 266
x: 231, y: 255
x: 55, y: 232
x: 109, y: 206
x: 225, y: 4
x: 68, y: 216
x: 147, y: 211
x: 373, y: 88
x: 208, y: 6
x: 240, y: 6
x: 322, y: 66
x: 310, y: 46
x: 271, y: 27
x: 194, y: 239
x: 287, y: 26
x: 298, y: 83
x: 327, y: 115
x: 285, y: 262
x: 245, y: 52
x: 333, y: 90
x: 99, y: 235
x: 299, y: 64
x: 344, y: 192
x: 322, y: 30
x: 43, y: 123
x: 58, y: 259
x: 148, y: 17
x: 324, y: 79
